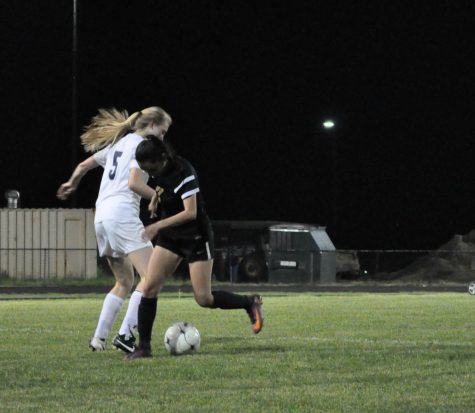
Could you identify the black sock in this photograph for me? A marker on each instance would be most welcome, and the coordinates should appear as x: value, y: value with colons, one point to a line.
x: 146, y: 316
x: 230, y: 301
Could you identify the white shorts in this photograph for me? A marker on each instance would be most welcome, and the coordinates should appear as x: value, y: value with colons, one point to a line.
x: 116, y: 239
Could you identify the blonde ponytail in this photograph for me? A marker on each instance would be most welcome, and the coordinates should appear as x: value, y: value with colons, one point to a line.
x: 103, y: 129
x: 111, y: 125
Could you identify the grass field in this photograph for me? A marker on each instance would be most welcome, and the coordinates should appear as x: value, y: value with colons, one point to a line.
x: 331, y: 352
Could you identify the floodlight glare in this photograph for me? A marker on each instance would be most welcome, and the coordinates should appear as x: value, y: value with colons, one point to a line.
x: 328, y: 124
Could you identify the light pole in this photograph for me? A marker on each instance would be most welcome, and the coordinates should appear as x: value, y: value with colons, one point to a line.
x: 74, y: 50
x: 329, y: 126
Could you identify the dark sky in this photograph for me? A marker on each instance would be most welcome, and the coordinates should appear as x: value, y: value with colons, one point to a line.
x: 248, y: 85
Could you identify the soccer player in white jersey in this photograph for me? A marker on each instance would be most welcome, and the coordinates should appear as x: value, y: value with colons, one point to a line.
x: 113, y: 136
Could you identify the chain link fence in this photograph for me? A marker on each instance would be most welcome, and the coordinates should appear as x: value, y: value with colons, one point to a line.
x: 448, y: 265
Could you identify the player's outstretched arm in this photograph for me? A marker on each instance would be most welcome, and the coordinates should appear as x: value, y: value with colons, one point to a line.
x: 67, y: 188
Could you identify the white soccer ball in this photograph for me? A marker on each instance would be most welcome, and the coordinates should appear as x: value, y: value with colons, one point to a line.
x: 471, y: 288
x: 182, y: 338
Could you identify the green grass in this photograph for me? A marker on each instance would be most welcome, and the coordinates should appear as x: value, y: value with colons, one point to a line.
x: 317, y: 353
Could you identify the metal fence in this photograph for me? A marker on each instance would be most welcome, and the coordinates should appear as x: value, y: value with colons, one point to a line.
x: 61, y: 243
x: 378, y: 265
x: 456, y: 264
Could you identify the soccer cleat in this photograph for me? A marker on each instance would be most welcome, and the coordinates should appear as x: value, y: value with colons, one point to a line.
x: 255, y: 314
x: 97, y: 344
x: 121, y: 342
x: 139, y: 353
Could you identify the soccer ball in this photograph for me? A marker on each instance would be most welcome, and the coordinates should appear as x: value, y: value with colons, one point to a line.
x: 471, y: 288
x: 182, y: 338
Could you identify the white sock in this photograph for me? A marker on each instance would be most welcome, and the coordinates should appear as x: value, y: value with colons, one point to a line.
x: 109, y: 312
x: 131, y: 317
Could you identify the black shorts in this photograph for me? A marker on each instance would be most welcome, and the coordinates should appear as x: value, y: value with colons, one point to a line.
x: 199, y: 247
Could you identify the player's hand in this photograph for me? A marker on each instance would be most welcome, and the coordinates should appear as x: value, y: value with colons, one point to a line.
x: 65, y: 190
x: 152, y: 206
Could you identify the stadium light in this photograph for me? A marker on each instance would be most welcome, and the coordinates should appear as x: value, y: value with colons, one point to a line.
x: 328, y: 124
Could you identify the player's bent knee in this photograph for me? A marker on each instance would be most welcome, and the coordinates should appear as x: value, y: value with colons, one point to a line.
x: 150, y: 291
x: 204, y: 300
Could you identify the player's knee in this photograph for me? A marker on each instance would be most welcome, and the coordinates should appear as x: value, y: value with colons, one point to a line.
x: 204, y: 300
x: 150, y: 290
x: 125, y: 283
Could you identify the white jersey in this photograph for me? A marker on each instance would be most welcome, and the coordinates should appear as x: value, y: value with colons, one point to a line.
x: 115, y: 200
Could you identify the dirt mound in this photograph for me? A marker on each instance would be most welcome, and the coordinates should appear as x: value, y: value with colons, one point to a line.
x: 453, y: 261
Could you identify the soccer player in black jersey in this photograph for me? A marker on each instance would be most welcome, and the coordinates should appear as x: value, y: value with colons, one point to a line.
x: 183, y: 232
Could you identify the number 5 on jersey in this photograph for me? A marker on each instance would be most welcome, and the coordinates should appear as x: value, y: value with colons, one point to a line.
x: 117, y: 155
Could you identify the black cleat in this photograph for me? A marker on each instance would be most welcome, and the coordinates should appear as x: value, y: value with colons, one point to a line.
x: 124, y: 342
x: 255, y: 314
x: 139, y: 353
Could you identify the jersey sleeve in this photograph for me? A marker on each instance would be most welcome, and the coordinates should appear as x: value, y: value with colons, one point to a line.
x: 101, y: 156
x: 134, y: 164
x: 133, y: 147
x: 189, y: 184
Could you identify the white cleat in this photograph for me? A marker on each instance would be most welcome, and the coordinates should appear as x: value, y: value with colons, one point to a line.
x: 97, y: 344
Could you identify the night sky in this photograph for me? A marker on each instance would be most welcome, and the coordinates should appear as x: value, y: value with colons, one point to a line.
x: 248, y: 85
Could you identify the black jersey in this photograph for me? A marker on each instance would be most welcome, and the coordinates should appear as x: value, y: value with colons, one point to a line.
x: 179, y: 182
